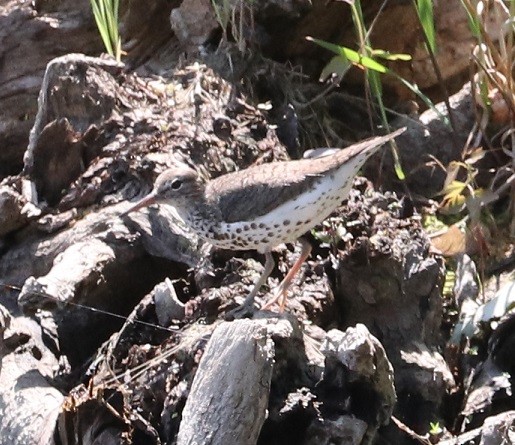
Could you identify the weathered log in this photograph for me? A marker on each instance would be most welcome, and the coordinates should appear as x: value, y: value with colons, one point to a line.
x: 12, y: 216
x: 32, y: 34
x: 228, y: 399
x: 496, y: 430
x: 361, y: 359
x: 29, y: 402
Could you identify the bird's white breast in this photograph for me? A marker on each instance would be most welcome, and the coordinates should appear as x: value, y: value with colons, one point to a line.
x: 289, y: 220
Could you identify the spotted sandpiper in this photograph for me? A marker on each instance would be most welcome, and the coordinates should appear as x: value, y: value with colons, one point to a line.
x: 263, y: 206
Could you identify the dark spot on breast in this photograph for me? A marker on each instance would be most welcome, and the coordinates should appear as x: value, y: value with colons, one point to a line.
x: 270, y: 234
x: 253, y: 226
x: 261, y: 226
x: 246, y: 227
x: 238, y: 230
x: 298, y: 223
x: 286, y: 222
x: 276, y: 226
x: 265, y: 241
x: 288, y: 231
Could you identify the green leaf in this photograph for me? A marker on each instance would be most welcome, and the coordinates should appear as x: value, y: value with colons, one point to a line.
x: 338, y: 65
x: 351, y: 55
x: 397, y: 165
x: 387, y: 55
x: 454, y: 188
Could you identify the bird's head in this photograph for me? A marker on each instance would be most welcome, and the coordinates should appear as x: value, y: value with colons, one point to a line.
x: 177, y: 186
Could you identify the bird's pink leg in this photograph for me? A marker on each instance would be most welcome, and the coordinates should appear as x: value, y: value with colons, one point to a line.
x: 285, y: 284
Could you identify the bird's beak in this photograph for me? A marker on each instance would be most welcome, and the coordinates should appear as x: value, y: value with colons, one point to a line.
x: 145, y: 202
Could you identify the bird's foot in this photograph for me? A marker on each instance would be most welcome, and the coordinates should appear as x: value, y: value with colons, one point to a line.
x: 279, y: 297
x: 245, y: 310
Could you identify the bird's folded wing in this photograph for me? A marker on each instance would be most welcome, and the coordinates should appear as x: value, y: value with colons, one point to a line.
x: 250, y: 193
x: 247, y: 194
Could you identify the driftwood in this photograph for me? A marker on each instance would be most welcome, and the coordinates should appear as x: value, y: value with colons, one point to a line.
x: 126, y: 340
x: 99, y: 260
x: 497, y: 430
x: 229, y: 395
x: 29, y: 401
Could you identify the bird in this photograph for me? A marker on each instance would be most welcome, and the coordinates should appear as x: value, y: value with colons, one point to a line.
x: 263, y: 206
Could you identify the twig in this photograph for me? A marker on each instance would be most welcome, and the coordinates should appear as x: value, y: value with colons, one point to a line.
x: 410, y: 432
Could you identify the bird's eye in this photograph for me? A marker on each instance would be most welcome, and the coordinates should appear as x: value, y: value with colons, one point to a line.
x: 176, y: 184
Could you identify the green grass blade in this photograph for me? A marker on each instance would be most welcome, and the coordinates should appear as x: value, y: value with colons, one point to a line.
x: 101, y: 26
x: 106, y: 18
x: 473, y: 19
x: 424, y: 98
x: 427, y: 20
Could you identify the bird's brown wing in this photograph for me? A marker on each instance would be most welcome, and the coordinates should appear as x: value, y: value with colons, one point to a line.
x: 247, y: 194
